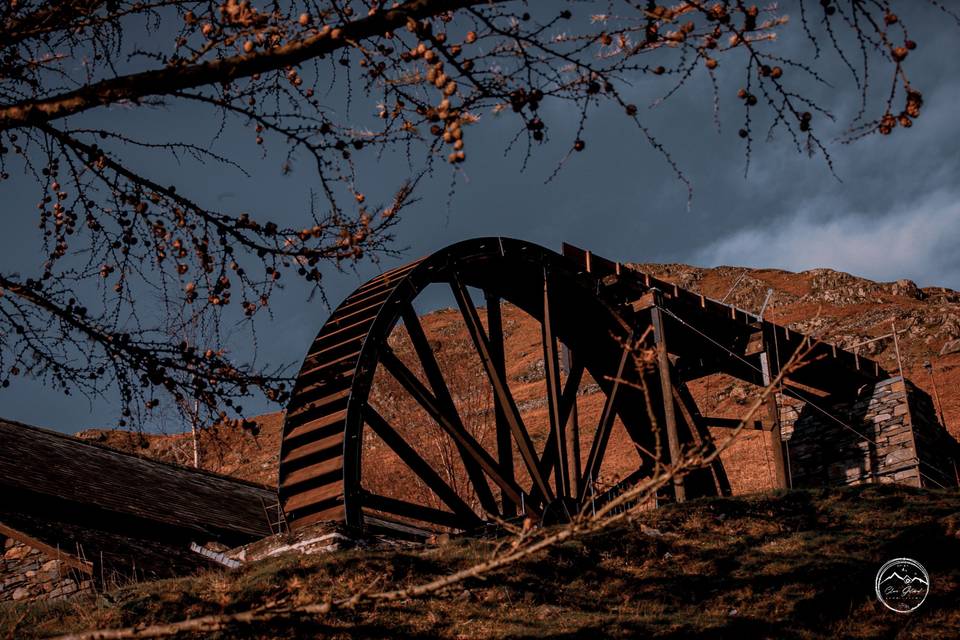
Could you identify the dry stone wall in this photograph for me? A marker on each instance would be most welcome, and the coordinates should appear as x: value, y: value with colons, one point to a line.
x: 889, y: 433
x: 30, y: 574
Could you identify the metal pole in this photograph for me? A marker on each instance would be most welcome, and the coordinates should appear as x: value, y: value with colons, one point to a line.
x: 193, y: 427
x: 936, y: 393
x: 896, y: 346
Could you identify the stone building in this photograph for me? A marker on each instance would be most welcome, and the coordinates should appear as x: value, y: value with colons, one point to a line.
x: 32, y: 570
x: 77, y: 516
x: 888, y: 433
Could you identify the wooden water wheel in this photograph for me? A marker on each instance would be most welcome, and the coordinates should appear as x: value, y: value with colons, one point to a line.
x: 337, y: 423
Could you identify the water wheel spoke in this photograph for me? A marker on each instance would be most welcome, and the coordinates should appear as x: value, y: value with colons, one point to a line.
x: 415, y: 388
x: 501, y: 390
x: 419, y: 466
x: 574, y: 374
x: 602, y: 435
x: 568, y: 407
x: 551, y: 368
x: 414, y: 511
x: 504, y: 440
x: 442, y: 393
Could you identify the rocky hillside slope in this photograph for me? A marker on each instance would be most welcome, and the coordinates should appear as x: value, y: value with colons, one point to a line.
x: 834, y: 306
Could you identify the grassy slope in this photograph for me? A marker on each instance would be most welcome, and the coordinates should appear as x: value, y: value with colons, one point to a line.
x: 788, y: 565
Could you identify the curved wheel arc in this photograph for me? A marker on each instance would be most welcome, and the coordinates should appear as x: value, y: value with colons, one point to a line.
x: 320, y: 457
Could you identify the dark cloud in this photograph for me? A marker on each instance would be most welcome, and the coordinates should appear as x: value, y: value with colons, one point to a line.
x: 892, y: 213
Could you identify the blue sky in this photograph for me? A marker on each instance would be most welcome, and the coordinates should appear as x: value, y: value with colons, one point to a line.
x: 893, y: 213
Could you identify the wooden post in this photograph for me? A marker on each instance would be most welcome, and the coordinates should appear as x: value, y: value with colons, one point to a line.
x: 773, y: 424
x: 573, y: 426
x: 666, y: 386
x: 551, y: 368
x: 504, y: 443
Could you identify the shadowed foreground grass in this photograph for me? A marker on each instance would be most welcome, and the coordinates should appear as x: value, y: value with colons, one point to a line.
x: 798, y: 564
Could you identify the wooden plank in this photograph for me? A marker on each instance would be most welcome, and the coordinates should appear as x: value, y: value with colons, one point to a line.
x: 643, y: 302
x: 501, y: 390
x: 332, y: 444
x: 666, y: 387
x: 341, y: 395
x: 335, y: 513
x: 299, y: 500
x: 346, y: 360
x: 312, y: 472
x: 316, y: 358
x: 302, y: 427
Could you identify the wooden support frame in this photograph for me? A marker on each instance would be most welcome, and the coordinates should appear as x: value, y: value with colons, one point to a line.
x: 666, y: 387
x: 774, y: 439
x: 602, y: 435
x: 701, y: 435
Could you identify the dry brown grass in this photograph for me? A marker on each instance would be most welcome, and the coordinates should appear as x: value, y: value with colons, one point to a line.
x: 788, y: 565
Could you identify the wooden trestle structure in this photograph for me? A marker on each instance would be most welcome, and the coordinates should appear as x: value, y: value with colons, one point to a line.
x: 589, y: 308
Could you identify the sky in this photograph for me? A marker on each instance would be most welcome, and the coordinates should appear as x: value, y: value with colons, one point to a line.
x: 891, y: 211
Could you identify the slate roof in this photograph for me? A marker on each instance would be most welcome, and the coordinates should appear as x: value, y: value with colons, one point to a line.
x: 40, y: 462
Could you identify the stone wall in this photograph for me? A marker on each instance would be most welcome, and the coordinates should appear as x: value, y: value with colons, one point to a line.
x: 938, y: 452
x: 27, y: 573
x: 888, y: 433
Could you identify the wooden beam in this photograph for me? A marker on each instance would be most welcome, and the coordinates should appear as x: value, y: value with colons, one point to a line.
x: 602, y: 435
x: 501, y: 390
x: 666, y: 386
x: 420, y: 393
x: 551, y: 368
x: 568, y: 408
x: 411, y: 510
x: 54, y: 553
x: 420, y: 467
x: 701, y: 436
x: 442, y: 393
x: 731, y: 423
x: 573, y: 422
x: 775, y: 440
x: 504, y: 443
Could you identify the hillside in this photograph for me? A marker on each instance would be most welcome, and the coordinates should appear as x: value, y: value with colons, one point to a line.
x: 834, y: 306
x: 799, y: 564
